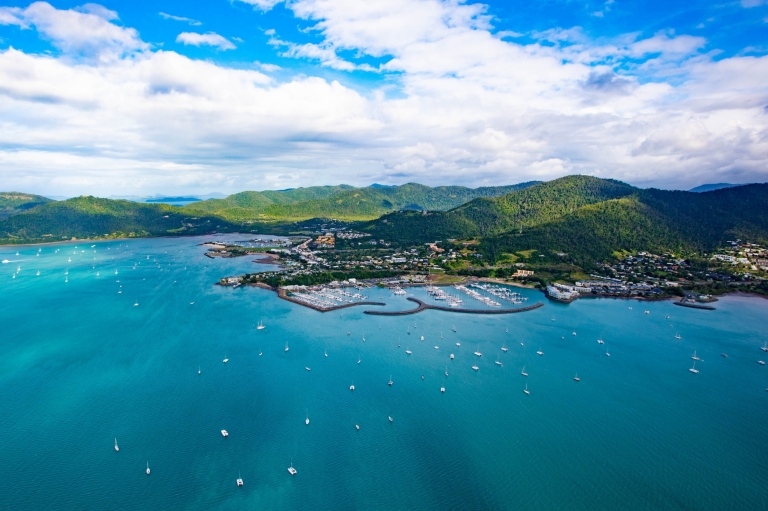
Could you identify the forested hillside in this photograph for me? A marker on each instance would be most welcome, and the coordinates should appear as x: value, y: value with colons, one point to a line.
x: 341, y: 202
x: 13, y: 203
x: 83, y: 217
x: 589, y: 219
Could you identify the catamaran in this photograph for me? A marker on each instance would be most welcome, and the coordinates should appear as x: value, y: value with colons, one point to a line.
x: 239, y: 479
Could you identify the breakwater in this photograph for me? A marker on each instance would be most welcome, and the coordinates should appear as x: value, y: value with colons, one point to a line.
x: 425, y: 306
x: 683, y: 303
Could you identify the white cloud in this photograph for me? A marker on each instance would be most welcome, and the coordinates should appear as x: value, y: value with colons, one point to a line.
x: 263, y: 5
x: 192, y: 22
x: 469, y: 106
x: 209, y: 39
x: 89, y: 33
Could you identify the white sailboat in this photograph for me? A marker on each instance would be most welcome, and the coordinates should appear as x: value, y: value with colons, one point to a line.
x: 325, y: 352
x: 407, y: 351
x: 198, y: 369
x: 446, y: 370
x: 225, y: 358
x: 765, y: 346
x: 523, y: 372
x: 504, y: 347
x: 117, y: 449
x: 678, y: 336
x: 260, y: 326
x: 286, y: 346
x: 694, y: 356
x: 390, y: 380
x: 526, y: 389
x: 239, y: 479
x: 693, y: 369
x: 576, y: 378
x: 147, y: 468
x: 453, y: 328
x: 475, y: 367
x: 498, y: 362
x: 307, y: 419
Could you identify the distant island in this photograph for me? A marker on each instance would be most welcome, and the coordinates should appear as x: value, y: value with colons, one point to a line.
x: 174, y: 199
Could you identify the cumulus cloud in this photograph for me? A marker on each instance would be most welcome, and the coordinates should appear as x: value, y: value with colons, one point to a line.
x: 208, y: 39
x: 86, y: 31
x: 469, y: 106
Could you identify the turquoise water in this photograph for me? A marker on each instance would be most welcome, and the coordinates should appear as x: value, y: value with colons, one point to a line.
x: 82, y: 365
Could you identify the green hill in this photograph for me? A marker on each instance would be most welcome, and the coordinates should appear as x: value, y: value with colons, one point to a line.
x: 589, y: 219
x: 341, y: 202
x: 13, y: 203
x: 83, y: 217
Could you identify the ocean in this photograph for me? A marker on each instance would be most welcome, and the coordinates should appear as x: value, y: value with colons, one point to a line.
x: 81, y: 366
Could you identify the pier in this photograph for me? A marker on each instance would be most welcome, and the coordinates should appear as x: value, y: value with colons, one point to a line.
x: 424, y: 306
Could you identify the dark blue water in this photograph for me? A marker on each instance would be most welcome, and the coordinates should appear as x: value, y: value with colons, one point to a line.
x: 81, y: 365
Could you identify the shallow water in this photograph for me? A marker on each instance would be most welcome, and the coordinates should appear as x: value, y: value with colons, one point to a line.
x: 82, y: 365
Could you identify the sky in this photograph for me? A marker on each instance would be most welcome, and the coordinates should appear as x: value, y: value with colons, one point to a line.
x: 178, y: 97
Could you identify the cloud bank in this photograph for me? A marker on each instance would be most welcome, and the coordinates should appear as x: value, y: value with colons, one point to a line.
x: 467, y: 106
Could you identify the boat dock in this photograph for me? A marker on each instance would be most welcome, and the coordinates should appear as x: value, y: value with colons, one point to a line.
x: 424, y: 306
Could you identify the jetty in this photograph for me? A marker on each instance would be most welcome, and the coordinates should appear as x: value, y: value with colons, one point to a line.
x: 693, y: 305
x: 425, y: 306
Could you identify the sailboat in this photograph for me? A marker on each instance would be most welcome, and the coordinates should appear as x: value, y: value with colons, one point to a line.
x: 239, y: 479
x: 325, y: 352
x: 352, y: 387
x: 504, y: 347
x: 539, y: 353
x: 198, y: 369
x: 498, y: 362
x: 292, y: 470
x: 225, y: 358
x: 693, y: 369
x: 307, y: 420
x: 576, y: 378
x: 523, y: 372
x: 446, y: 370
x: 453, y: 328
x: 475, y: 367
x: 390, y: 418
x: 390, y: 380
x: 458, y: 344
x: 286, y: 346
x: 147, y: 468
x: 678, y: 336
x: 408, y: 351
x: 526, y: 389
x: 117, y: 449
x: 694, y: 356
x: 600, y: 341
x: 765, y: 346
x: 606, y: 352
x: 478, y: 352
x: 260, y: 326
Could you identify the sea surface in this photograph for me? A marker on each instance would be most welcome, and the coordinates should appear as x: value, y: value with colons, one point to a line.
x: 81, y: 365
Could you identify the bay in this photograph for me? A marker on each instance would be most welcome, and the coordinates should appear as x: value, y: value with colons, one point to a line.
x: 81, y: 365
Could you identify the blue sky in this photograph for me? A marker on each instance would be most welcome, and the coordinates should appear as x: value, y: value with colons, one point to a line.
x: 178, y: 97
